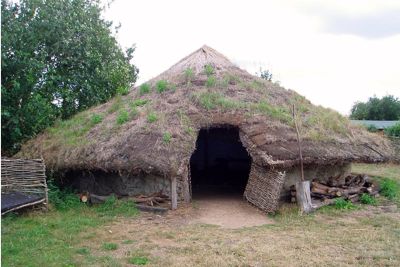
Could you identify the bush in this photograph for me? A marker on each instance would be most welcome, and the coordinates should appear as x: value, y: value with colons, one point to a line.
x: 167, y: 138
x: 123, y: 116
x: 367, y: 199
x: 394, y: 130
x: 389, y: 188
x: 122, y: 90
x: 144, y: 89
x: 96, y: 119
x: 161, y: 86
x: 152, y: 117
x: 342, y: 204
x: 209, y: 69
x: 211, y: 81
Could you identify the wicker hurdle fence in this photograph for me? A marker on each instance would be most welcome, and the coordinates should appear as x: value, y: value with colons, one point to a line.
x: 26, y: 176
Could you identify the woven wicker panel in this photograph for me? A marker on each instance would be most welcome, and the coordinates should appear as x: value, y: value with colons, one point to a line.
x: 264, y: 187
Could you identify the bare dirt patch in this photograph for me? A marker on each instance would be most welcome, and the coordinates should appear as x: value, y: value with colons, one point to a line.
x: 228, y: 211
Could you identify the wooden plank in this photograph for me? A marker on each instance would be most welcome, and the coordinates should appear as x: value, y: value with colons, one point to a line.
x: 174, y: 195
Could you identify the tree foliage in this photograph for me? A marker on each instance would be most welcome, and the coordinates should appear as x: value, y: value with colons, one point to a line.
x: 386, y: 108
x: 265, y: 74
x: 57, y: 58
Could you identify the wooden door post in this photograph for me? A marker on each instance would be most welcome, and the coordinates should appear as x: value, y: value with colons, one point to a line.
x: 174, y: 195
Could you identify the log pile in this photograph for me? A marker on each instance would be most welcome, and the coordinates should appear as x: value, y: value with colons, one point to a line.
x: 154, y: 199
x: 323, y: 194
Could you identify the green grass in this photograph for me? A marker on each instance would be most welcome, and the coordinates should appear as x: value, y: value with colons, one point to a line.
x: 167, y: 138
x: 152, y: 117
x: 189, y: 75
x: 52, y: 238
x: 123, y: 116
x: 391, y: 171
x: 211, y: 81
x: 110, y: 246
x: 161, y: 86
x: 279, y: 113
x: 96, y: 119
x: 390, y: 188
x: 122, y: 90
x: 342, y: 204
x: 139, y: 102
x: 144, y: 89
x: 211, y: 100
x: 367, y: 199
x: 138, y: 260
x: 209, y: 70
x: 116, y: 105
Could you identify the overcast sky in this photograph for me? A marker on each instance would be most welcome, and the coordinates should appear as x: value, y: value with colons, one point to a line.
x: 332, y: 52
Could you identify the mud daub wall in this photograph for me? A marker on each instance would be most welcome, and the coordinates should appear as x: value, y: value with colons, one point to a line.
x: 264, y: 187
x: 321, y: 173
x: 122, y: 184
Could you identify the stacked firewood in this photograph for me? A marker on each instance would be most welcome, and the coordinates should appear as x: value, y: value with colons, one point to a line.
x: 154, y: 199
x: 353, y: 187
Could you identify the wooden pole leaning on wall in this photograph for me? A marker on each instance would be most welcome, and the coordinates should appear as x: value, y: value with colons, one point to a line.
x: 303, y: 194
x: 174, y: 195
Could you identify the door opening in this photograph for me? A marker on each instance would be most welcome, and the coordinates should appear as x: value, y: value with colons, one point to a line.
x: 220, y: 163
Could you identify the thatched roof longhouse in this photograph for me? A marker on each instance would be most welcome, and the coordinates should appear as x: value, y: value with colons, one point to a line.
x: 202, y: 90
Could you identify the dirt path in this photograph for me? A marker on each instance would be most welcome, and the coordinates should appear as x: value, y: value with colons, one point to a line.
x: 228, y: 211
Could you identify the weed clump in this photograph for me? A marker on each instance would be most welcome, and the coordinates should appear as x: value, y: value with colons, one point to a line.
x: 367, y: 199
x: 167, y: 138
x: 144, y: 89
x: 161, y: 86
x: 138, y: 260
x: 152, y: 117
x: 189, y: 74
x: 211, y: 81
x: 389, y: 188
x: 139, y: 102
x: 110, y: 246
x: 96, y: 119
x: 209, y: 69
x: 114, y: 207
x: 342, y: 204
x: 122, y: 90
x: 123, y: 116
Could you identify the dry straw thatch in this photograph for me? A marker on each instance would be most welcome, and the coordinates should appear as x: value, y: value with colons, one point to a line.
x: 154, y: 127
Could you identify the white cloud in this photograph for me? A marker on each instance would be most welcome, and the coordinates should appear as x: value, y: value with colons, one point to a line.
x: 287, y: 37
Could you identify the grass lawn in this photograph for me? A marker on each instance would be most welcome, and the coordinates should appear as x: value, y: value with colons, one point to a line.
x: 114, y: 235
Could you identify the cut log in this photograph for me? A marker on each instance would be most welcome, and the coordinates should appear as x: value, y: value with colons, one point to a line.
x: 303, y: 196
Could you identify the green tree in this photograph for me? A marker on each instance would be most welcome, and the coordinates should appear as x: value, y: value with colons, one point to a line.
x: 386, y: 108
x: 57, y: 58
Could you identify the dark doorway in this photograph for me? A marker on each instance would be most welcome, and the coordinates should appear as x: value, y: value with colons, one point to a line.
x: 220, y: 163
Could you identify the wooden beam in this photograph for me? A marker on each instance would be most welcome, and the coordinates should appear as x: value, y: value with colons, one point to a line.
x: 174, y: 195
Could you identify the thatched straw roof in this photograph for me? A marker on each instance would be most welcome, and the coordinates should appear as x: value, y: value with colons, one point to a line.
x: 156, y: 131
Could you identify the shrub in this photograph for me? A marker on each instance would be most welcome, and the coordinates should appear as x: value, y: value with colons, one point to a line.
x: 161, y: 86
x: 167, y: 137
x: 394, y: 130
x: 110, y: 246
x: 138, y: 260
x: 367, y: 199
x: 343, y: 204
x: 211, y: 81
x: 209, y: 69
x: 123, y: 116
x: 122, y: 90
x: 139, y: 102
x: 152, y: 117
x: 389, y: 188
x: 144, y: 89
x: 96, y: 119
